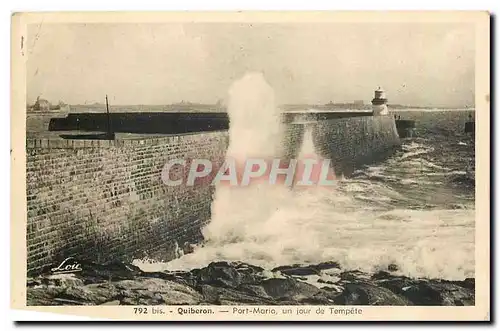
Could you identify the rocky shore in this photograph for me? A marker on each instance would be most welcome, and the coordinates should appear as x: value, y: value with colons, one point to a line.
x: 224, y: 283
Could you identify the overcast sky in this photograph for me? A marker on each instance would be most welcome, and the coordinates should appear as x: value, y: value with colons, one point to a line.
x: 417, y: 64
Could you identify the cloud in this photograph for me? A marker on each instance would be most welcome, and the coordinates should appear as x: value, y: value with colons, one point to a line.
x: 430, y: 64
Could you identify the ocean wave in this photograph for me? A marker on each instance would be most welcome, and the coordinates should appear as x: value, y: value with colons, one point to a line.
x: 365, y: 222
x: 464, y: 179
x: 448, y: 173
x: 420, y: 165
x: 376, y: 173
x: 418, y: 181
x: 426, y: 243
x: 411, y: 145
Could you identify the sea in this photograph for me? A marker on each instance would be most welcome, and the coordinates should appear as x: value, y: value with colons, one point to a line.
x: 415, y: 210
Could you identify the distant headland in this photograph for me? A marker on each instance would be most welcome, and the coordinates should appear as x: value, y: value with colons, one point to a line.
x: 42, y: 105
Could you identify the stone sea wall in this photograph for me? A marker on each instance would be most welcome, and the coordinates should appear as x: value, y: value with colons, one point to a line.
x: 351, y: 142
x: 105, y: 200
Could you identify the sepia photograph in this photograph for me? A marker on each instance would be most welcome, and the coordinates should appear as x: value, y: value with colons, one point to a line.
x: 252, y: 166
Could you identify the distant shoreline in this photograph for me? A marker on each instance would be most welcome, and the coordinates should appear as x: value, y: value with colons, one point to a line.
x: 217, y: 108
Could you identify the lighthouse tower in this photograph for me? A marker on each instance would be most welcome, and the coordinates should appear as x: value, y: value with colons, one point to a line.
x: 379, y: 103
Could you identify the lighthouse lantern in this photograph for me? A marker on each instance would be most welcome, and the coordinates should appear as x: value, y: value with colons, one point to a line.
x: 379, y: 103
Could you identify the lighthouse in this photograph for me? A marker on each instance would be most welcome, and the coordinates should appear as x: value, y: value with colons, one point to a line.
x: 379, y: 103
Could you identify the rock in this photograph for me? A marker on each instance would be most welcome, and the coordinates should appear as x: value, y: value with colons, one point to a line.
x: 288, y: 289
x: 210, y: 293
x: 296, y: 270
x: 62, y: 280
x: 227, y: 296
x: 266, y: 274
x: 426, y: 293
x: 354, y: 276
x: 422, y: 294
x: 320, y: 298
x: 327, y: 281
x: 279, y: 268
x: 194, y: 272
x: 188, y: 248
x: 149, y: 284
x: 228, y: 275
x: 140, y: 301
x: 70, y: 302
x: 326, y: 265
x: 299, y: 277
x: 43, y: 296
x: 111, y: 303
x: 98, y: 273
x: 467, y: 283
x: 90, y: 294
x: 397, y: 285
x: 381, y: 275
x: 129, y: 301
x: 392, y: 267
x: 185, y: 278
x: 334, y: 289
x: 158, y: 290
x: 32, y: 282
x: 188, y: 280
x: 369, y: 294
x: 144, y: 294
x: 181, y: 298
x: 329, y: 278
x: 250, y: 274
x: 255, y: 290
x: 241, y: 266
x: 238, y: 283
x: 220, y: 274
x: 159, y: 274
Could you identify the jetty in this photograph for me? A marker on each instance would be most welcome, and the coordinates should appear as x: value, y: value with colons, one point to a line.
x: 470, y: 126
x: 406, y: 128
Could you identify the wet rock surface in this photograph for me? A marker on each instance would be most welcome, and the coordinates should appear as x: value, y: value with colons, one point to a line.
x: 230, y: 283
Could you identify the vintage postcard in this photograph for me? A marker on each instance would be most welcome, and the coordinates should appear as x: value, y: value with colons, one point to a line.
x: 251, y: 166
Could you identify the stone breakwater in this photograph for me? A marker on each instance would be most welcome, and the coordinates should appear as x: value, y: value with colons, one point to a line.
x: 106, y: 200
x: 230, y: 283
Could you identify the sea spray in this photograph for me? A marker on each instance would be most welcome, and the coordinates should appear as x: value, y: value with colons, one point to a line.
x: 362, y: 224
x: 312, y: 170
x: 254, y: 120
x: 239, y: 213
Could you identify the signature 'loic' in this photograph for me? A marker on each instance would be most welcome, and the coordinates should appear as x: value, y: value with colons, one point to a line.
x: 69, y: 265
